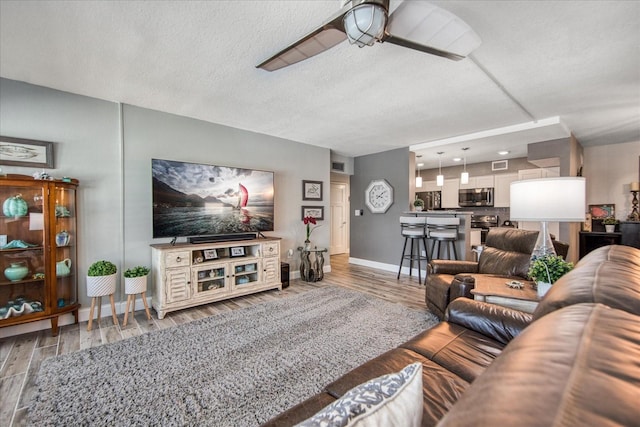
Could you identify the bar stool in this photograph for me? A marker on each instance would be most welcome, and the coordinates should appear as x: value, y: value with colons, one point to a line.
x: 441, y: 229
x: 414, y: 230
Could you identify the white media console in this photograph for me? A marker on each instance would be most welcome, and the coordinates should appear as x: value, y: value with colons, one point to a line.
x: 186, y: 275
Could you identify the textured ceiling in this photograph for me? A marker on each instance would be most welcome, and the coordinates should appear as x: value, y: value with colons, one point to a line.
x: 579, y: 60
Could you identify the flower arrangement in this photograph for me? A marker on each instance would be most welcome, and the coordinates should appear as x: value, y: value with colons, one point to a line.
x: 418, y: 202
x: 308, y: 220
x: 549, y: 268
x: 610, y: 220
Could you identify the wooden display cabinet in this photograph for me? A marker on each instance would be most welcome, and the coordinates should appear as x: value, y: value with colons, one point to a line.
x: 187, y: 275
x: 38, y: 250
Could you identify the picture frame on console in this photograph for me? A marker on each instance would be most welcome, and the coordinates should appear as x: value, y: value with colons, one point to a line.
x: 316, y: 212
x: 236, y: 251
x: 210, y: 254
x: 312, y: 190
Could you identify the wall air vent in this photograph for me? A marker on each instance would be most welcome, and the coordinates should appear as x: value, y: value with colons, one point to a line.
x: 337, y: 166
x: 500, y: 165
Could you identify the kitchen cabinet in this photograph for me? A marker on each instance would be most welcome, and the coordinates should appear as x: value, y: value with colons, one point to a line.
x: 502, y: 189
x: 539, y: 173
x: 428, y: 186
x: 484, y: 181
x: 450, y: 193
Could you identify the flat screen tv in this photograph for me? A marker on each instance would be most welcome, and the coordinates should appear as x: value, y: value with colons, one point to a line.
x: 196, y: 200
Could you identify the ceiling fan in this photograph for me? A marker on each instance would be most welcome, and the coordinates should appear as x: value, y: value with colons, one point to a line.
x: 415, y: 24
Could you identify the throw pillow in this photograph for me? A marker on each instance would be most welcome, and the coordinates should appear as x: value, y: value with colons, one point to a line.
x: 390, y: 400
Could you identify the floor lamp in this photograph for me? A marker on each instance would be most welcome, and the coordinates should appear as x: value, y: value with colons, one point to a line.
x: 548, y: 199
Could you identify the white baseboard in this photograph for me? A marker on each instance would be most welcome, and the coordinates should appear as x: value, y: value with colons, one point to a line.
x: 68, y: 319
x: 83, y: 313
x: 386, y: 267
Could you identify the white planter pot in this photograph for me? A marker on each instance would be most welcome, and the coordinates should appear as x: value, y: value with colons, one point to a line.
x: 135, y: 285
x: 610, y: 228
x: 98, y: 286
x: 543, y: 288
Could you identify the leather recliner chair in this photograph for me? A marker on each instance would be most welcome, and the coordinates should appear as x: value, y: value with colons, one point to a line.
x: 507, y: 253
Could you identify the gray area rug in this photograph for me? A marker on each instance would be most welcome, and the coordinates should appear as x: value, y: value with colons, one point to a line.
x: 239, y: 368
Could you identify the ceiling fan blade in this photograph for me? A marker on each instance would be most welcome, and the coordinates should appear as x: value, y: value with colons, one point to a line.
x: 323, y: 38
x: 423, y: 26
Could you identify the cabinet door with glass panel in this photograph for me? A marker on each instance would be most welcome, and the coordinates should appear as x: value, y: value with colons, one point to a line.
x: 212, y: 278
x: 246, y: 273
x: 37, y: 250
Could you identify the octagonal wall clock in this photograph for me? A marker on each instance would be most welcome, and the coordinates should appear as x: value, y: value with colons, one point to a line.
x: 378, y: 196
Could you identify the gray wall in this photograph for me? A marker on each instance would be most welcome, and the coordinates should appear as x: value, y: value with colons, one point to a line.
x: 376, y: 237
x: 115, y: 171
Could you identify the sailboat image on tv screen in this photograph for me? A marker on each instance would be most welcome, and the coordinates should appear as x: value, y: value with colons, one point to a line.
x: 243, y: 196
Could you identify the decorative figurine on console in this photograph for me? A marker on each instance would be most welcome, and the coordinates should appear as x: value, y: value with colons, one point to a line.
x: 634, y: 215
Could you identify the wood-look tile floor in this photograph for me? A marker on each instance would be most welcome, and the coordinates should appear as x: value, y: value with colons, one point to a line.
x: 22, y: 355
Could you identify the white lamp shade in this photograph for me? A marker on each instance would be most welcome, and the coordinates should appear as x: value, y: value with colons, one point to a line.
x: 440, y: 180
x: 548, y: 199
x: 365, y: 24
x: 418, y: 181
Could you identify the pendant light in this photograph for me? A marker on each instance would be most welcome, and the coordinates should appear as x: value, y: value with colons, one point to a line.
x: 419, y: 177
x: 440, y: 177
x: 464, y: 177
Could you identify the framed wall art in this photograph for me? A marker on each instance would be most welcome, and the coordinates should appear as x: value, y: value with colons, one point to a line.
x: 316, y: 212
x: 602, y: 211
x: 26, y: 152
x: 312, y: 190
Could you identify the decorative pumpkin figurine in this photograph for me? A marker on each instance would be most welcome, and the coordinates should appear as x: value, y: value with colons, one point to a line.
x: 15, y: 206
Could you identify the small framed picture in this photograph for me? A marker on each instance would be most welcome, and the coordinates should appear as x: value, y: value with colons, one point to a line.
x: 26, y: 152
x: 316, y: 212
x: 602, y: 211
x: 312, y: 190
x: 210, y: 254
x: 237, y: 251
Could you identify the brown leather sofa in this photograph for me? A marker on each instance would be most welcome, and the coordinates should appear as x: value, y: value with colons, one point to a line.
x: 506, y: 256
x: 574, y: 361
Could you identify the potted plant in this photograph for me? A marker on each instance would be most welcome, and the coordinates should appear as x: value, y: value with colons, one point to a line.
x: 610, y: 224
x: 418, y: 204
x: 101, y: 279
x: 546, y: 269
x: 135, y: 280
x: 307, y: 221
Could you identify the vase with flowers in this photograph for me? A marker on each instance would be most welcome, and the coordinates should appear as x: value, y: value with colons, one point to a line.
x: 308, y: 220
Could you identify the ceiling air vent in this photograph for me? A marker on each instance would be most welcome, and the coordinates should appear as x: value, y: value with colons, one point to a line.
x: 337, y: 166
x: 500, y: 165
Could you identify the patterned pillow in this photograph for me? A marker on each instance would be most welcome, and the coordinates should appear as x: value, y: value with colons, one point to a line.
x: 390, y: 400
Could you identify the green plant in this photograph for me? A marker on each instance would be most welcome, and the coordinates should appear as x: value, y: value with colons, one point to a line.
x: 102, y: 268
x: 418, y: 202
x: 138, y: 271
x: 549, y: 268
x: 609, y: 221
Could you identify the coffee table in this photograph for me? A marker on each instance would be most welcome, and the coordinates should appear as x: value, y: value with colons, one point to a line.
x: 493, y: 289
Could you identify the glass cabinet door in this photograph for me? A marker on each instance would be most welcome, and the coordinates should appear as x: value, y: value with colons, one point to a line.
x: 211, y: 279
x: 63, y: 243
x: 246, y: 273
x: 23, y: 293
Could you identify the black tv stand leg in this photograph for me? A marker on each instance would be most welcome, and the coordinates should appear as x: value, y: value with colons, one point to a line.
x: 173, y: 241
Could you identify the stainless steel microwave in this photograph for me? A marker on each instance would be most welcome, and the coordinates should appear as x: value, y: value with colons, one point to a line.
x: 475, y: 197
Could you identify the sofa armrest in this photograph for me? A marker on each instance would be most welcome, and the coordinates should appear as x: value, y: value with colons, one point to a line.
x: 453, y: 267
x: 500, y: 323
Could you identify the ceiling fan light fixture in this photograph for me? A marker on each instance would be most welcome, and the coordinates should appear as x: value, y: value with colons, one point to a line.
x: 365, y: 24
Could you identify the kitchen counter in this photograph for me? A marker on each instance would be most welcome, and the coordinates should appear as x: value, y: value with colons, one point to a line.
x: 463, y: 244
